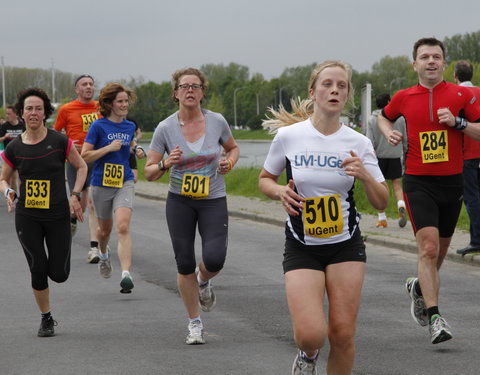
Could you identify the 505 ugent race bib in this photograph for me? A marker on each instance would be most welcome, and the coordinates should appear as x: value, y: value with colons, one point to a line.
x: 113, y: 175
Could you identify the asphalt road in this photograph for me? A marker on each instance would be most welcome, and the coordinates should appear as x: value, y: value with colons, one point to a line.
x: 101, y: 331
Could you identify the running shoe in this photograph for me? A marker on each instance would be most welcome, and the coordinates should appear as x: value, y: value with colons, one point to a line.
x: 73, y: 226
x: 382, y: 224
x: 46, y: 327
x: 195, y: 333
x: 417, y: 309
x: 439, y: 329
x: 402, y: 217
x: 104, y: 265
x: 126, y: 284
x: 93, y: 256
x: 206, y: 297
x: 304, y: 366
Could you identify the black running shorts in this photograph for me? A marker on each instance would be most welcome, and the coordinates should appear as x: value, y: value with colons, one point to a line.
x: 318, y: 257
x: 391, y: 168
x: 434, y: 201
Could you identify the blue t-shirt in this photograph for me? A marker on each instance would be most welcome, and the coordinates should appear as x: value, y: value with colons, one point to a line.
x: 101, y: 133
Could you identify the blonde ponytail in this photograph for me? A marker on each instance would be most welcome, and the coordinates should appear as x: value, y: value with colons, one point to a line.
x: 301, y: 110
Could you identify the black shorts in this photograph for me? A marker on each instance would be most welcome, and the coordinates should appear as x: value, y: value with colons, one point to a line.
x: 434, y: 201
x: 391, y: 168
x: 132, y: 161
x: 318, y: 257
x: 72, y: 176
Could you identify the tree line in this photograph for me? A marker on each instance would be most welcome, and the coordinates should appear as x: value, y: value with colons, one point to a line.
x: 244, y: 98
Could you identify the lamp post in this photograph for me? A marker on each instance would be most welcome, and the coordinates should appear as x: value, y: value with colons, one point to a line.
x: 53, y: 83
x: 280, y: 96
x: 3, y: 84
x: 258, y: 104
x: 235, y: 105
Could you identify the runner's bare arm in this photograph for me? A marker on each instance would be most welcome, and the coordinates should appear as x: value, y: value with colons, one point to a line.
x: 90, y: 155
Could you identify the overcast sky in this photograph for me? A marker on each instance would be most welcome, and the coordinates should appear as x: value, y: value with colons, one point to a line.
x: 115, y: 39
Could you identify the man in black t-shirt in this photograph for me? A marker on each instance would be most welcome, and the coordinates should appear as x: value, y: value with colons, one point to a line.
x: 10, y: 130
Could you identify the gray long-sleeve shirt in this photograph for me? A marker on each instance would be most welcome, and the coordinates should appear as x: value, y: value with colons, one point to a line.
x: 383, y: 149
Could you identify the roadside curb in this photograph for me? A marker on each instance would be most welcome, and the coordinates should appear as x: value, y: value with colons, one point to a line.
x: 234, y: 213
x: 255, y: 217
x: 411, y: 247
x: 396, y: 243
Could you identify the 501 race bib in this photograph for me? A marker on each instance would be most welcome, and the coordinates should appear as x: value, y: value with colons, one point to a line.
x: 195, y: 186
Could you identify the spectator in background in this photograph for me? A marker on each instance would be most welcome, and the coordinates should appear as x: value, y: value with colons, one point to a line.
x: 389, y: 159
x: 463, y: 73
x: 10, y: 130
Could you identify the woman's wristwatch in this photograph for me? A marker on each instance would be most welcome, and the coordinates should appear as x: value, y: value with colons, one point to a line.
x: 77, y: 194
x: 161, y: 166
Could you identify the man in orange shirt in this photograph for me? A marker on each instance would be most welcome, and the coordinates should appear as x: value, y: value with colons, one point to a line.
x: 75, y: 118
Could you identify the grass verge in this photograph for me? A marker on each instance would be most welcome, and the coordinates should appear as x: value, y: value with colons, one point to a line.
x: 244, y: 182
x: 237, y: 134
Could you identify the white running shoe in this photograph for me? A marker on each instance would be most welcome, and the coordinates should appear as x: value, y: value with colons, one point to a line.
x: 206, y: 297
x: 417, y: 308
x: 439, y: 329
x: 93, y: 256
x: 104, y: 265
x: 303, y: 366
x: 195, y: 333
